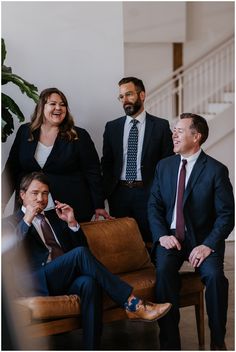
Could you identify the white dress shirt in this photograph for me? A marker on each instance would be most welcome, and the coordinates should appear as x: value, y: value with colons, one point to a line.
x: 41, y: 154
x: 141, y: 129
x: 189, y: 167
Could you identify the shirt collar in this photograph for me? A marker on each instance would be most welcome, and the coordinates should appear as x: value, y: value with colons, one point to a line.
x: 141, y: 117
x: 193, y: 157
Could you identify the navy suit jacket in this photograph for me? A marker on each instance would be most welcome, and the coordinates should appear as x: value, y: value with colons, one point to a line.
x: 208, y: 201
x: 28, y: 237
x: 31, y: 253
x: 73, y: 169
x: 157, y: 144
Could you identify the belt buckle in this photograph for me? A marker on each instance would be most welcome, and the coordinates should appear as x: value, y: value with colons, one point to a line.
x: 130, y: 184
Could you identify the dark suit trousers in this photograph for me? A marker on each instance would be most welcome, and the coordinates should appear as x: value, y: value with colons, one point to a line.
x: 78, y: 272
x: 131, y: 202
x: 168, y: 263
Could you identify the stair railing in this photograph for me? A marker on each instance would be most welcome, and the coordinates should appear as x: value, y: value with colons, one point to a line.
x: 191, y: 88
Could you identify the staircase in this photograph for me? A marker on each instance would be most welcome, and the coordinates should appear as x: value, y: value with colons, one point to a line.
x: 216, y: 108
x: 205, y: 87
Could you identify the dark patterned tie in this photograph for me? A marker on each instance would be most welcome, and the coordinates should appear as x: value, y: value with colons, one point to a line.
x: 131, y: 167
x: 180, y: 224
x: 49, y: 237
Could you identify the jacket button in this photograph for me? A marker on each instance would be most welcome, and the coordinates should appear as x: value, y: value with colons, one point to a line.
x: 43, y: 264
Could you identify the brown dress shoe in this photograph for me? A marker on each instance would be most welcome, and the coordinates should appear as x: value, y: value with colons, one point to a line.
x: 215, y: 347
x: 148, y: 311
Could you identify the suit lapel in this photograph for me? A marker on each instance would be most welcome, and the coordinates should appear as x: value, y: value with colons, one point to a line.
x: 174, y: 168
x: 197, y: 170
x: 56, y: 152
x: 37, y: 236
x: 147, y: 133
x: 120, y: 136
x: 32, y: 148
x: 54, y: 221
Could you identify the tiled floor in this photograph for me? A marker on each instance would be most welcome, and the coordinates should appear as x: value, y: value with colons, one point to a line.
x: 126, y: 335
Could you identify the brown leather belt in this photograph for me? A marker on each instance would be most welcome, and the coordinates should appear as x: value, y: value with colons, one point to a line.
x: 132, y: 184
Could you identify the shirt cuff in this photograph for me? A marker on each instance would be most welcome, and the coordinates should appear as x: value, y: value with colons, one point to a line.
x: 74, y: 228
x: 26, y: 223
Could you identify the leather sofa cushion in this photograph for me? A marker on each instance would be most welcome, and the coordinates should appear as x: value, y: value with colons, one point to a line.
x: 48, y: 307
x: 143, y: 281
x: 118, y: 244
x: 52, y: 307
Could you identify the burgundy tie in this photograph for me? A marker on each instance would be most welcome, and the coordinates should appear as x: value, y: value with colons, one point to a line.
x: 180, y: 224
x: 49, y: 237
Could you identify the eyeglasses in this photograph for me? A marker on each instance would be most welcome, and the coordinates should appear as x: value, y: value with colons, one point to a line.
x: 127, y: 95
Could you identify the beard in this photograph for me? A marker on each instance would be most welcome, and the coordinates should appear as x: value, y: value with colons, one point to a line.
x: 132, y: 108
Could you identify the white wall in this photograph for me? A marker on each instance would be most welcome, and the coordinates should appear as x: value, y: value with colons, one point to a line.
x: 152, y: 62
x: 221, y: 143
x: 154, y: 21
x: 208, y: 24
x: 75, y: 46
x: 150, y: 28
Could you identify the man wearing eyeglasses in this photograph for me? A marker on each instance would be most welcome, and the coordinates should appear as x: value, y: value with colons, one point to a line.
x: 132, y: 146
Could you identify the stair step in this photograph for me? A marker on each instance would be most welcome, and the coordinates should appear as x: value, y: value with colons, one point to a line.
x: 217, y: 107
x: 229, y: 97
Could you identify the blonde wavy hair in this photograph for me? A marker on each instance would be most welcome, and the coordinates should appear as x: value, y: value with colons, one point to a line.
x: 66, y: 128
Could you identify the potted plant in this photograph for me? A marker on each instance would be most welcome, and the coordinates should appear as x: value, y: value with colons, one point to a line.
x: 9, y: 107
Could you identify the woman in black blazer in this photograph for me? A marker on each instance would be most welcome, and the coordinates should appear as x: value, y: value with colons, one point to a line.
x: 65, y: 153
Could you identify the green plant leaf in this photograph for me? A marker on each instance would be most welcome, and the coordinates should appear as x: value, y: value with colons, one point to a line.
x: 29, y: 89
x: 6, y: 69
x: 9, y: 104
x: 4, y: 52
x: 7, y: 124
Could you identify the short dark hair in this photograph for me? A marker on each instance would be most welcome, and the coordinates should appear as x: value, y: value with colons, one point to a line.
x: 136, y: 81
x: 199, y: 124
x: 36, y: 175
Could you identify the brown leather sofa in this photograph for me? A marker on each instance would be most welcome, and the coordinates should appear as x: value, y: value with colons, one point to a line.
x: 119, y: 246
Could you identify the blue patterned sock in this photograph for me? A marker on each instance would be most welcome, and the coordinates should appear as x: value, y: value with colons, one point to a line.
x: 131, y: 306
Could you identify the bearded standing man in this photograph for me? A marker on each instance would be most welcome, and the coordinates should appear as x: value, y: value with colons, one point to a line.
x: 132, y: 146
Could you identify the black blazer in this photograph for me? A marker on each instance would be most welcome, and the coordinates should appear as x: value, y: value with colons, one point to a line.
x: 73, y: 169
x: 157, y: 144
x: 208, y: 201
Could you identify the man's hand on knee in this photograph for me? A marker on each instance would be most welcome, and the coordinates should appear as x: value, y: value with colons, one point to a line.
x: 170, y: 242
x: 198, y: 254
